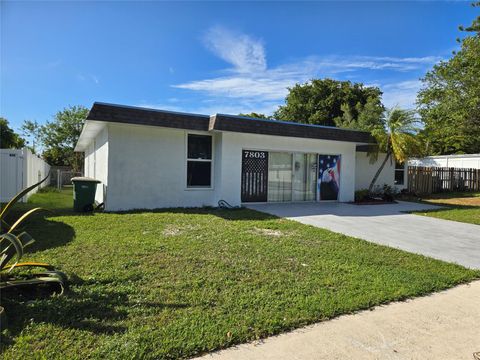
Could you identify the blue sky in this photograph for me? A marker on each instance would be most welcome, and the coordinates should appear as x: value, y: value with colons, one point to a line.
x: 213, y: 57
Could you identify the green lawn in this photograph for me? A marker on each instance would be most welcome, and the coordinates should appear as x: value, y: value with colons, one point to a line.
x: 463, y: 207
x: 177, y: 283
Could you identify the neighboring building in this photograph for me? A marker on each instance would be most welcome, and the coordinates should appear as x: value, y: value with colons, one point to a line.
x: 19, y: 168
x: 464, y: 161
x: 148, y: 158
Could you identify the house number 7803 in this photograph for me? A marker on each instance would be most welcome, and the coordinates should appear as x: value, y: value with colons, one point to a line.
x: 255, y: 154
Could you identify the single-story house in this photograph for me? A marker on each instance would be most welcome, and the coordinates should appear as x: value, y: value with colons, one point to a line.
x: 147, y: 158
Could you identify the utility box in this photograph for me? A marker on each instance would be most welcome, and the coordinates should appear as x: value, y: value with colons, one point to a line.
x: 84, y: 189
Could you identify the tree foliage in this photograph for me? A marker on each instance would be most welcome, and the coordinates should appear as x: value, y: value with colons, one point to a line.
x: 398, y: 139
x: 31, y: 129
x: 449, y: 102
x: 332, y: 103
x: 255, y: 115
x: 59, y: 136
x: 9, y: 139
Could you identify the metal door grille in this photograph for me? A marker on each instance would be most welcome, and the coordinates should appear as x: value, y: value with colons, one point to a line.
x: 254, y: 176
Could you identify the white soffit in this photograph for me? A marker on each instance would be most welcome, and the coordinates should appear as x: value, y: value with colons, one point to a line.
x: 90, y: 130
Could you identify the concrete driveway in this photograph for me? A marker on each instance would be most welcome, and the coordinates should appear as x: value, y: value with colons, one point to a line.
x: 388, y: 224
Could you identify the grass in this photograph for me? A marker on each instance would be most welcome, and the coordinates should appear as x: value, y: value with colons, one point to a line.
x: 178, y: 283
x: 457, y: 206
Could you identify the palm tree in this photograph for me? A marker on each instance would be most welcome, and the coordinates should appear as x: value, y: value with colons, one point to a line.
x: 397, y: 139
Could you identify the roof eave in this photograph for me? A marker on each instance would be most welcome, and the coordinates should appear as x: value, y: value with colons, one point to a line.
x: 90, y: 130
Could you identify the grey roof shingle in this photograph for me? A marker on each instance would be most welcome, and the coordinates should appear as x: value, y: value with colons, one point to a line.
x: 222, y: 122
x: 143, y: 116
x: 284, y: 128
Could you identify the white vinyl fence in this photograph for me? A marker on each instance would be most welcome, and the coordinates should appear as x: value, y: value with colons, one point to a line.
x: 19, y: 169
x: 465, y: 161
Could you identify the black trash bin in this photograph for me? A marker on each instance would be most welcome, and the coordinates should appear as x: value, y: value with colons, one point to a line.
x: 84, y: 189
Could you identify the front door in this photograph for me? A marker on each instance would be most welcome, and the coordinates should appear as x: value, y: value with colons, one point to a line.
x: 304, y: 177
x: 254, y: 176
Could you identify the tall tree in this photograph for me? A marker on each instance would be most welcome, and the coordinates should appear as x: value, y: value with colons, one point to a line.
x: 32, y: 130
x: 329, y: 102
x: 9, y: 139
x: 59, y: 137
x: 449, y: 102
x: 397, y: 139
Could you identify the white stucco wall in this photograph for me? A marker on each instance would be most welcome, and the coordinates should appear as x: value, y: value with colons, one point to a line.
x: 96, y: 163
x: 147, y: 169
x: 365, y: 171
x: 231, y: 160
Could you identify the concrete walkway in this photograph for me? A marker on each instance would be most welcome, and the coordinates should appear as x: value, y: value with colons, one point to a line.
x: 444, y: 325
x: 388, y: 225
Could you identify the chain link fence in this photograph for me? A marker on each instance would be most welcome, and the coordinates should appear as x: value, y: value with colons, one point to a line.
x: 61, y: 177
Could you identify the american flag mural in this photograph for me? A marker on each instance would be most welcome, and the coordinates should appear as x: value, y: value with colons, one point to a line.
x: 328, y: 184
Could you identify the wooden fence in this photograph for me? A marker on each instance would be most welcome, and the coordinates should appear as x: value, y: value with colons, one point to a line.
x: 428, y: 180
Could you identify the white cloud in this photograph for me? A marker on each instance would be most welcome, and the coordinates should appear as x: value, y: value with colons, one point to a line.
x: 237, y: 107
x: 245, y: 53
x: 251, y: 82
x: 85, y: 77
x: 402, y: 94
x: 209, y: 107
x: 261, y: 88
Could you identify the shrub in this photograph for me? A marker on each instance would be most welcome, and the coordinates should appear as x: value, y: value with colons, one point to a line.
x: 361, y: 195
x: 389, y: 192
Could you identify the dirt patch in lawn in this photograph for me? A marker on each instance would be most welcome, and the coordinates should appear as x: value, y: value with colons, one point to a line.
x: 270, y: 232
x: 175, y: 230
x: 465, y: 201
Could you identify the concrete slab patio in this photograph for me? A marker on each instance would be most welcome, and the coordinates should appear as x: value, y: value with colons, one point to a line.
x: 388, y: 224
x: 441, y: 326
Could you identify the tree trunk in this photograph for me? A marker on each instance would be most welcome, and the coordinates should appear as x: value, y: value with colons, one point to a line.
x: 377, y: 174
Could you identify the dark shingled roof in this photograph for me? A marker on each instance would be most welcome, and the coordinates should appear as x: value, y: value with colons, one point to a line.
x: 143, y: 116
x: 221, y: 122
x: 284, y: 128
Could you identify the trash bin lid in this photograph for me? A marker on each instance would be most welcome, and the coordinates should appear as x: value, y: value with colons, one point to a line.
x: 85, y: 179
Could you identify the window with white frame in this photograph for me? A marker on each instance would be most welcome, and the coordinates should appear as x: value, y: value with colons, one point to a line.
x: 399, y: 173
x: 199, y: 161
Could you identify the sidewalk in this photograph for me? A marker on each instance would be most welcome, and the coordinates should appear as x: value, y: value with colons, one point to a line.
x: 445, y: 325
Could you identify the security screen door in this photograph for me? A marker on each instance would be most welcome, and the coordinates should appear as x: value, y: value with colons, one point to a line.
x: 254, y: 176
x: 279, y: 176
